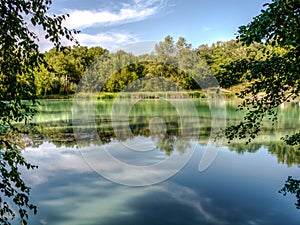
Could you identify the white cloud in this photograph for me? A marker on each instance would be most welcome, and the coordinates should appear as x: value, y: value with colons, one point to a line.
x: 120, y: 202
x: 136, y: 11
x: 192, y: 199
x: 55, y: 159
x: 106, y: 40
x: 85, y: 193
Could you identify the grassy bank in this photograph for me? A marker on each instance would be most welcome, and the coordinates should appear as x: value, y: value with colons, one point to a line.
x: 140, y: 95
x: 56, y: 96
x: 158, y: 95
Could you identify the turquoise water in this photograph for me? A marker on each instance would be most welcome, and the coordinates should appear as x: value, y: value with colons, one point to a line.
x: 73, y: 185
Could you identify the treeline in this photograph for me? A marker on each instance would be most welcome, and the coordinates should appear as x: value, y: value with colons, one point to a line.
x: 64, y: 69
x: 173, y: 66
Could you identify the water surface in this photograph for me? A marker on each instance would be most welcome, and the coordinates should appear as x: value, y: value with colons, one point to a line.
x: 239, y: 188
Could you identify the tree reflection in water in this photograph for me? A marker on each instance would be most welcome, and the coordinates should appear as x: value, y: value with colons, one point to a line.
x: 292, y: 186
x: 54, y: 124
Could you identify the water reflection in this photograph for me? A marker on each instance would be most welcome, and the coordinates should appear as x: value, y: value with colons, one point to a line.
x: 54, y: 124
x: 239, y: 188
x: 292, y: 186
x: 230, y: 192
x: 289, y: 155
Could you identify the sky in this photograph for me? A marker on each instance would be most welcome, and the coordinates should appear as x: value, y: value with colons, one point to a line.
x: 112, y: 24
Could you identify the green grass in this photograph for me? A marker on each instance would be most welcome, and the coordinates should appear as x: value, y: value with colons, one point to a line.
x: 56, y: 96
x: 139, y: 95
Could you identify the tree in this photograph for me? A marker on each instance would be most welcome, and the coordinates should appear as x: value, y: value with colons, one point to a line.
x: 181, y: 64
x: 292, y: 186
x: 44, y: 80
x: 274, y: 77
x: 166, y: 51
x: 67, y: 67
x: 19, y: 57
x: 220, y: 54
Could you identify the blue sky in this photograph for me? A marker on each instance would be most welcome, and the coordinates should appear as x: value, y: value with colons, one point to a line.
x: 114, y: 23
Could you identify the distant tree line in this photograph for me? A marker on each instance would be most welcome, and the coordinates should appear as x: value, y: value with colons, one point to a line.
x: 64, y: 69
x: 176, y: 61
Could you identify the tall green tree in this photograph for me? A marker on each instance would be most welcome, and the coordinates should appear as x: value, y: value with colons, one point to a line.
x: 66, y: 68
x: 182, y: 64
x: 274, y: 77
x: 44, y: 81
x: 166, y: 51
x: 220, y: 54
x: 108, y: 72
x: 19, y: 57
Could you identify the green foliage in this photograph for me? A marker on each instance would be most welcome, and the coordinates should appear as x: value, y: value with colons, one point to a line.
x: 293, y: 139
x: 220, y: 54
x: 12, y: 185
x: 106, y: 67
x: 19, y: 57
x: 175, y: 66
x: 65, y: 68
x: 197, y: 94
x: 278, y: 24
x: 273, y: 76
x: 292, y: 186
x: 107, y: 96
x: 98, y: 70
x: 44, y: 81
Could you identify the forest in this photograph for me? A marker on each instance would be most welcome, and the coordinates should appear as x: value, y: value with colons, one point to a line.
x: 172, y: 60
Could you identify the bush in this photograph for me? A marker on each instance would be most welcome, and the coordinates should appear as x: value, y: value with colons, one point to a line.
x: 107, y: 96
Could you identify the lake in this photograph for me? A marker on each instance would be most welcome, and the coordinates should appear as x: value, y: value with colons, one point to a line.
x: 137, y: 162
